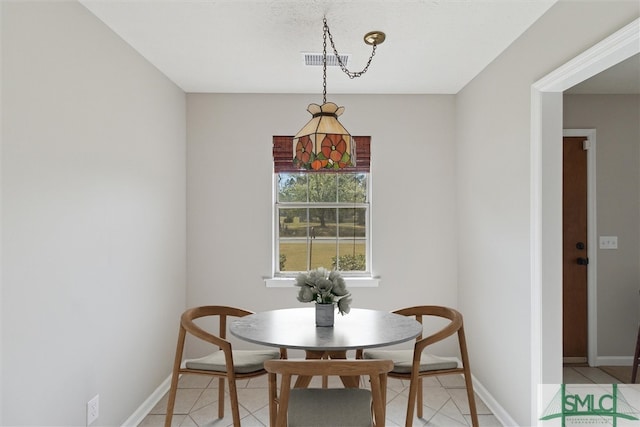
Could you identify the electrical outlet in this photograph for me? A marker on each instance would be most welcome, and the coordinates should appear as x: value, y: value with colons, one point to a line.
x: 93, y: 409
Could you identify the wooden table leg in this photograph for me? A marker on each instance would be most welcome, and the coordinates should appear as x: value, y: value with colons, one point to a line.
x: 304, y: 381
x: 348, y: 381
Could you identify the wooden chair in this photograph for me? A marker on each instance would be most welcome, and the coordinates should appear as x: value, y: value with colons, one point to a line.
x: 225, y: 363
x: 636, y: 359
x: 329, y: 407
x: 413, y: 365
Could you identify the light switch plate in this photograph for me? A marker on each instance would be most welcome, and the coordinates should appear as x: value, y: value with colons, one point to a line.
x: 608, y: 242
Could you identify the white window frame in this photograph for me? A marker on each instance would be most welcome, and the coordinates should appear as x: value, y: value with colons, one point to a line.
x: 353, y: 279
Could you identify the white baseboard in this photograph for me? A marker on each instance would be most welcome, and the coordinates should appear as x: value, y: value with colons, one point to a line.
x: 496, y: 409
x: 146, y: 407
x: 614, y: 361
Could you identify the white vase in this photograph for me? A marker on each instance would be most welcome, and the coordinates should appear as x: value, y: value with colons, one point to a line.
x: 324, y: 314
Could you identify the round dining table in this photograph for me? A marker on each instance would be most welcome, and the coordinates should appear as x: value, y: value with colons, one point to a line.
x: 295, y: 328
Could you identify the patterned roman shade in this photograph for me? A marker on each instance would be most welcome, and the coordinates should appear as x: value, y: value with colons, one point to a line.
x: 283, y: 155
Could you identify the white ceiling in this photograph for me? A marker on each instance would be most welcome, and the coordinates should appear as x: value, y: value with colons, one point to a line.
x: 242, y: 46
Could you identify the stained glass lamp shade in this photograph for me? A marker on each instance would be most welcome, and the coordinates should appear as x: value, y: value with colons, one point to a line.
x: 323, y: 143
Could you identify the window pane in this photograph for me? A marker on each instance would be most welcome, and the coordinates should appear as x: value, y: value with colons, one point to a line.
x: 352, y: 222
x: 293, y: 255
x: 293, y: 222
x: 322, y: 252
x: 352, y: 187
x: 323, y: 222
x: 352, y: 232
x: 323, y: 187
x: 292, y: 187
x: 351, y: 256
x: 319, y: 224
x: 295, y: 234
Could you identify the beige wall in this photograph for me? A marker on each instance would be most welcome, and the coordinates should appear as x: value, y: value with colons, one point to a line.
x: 616, y: 121
x: 93, y: 218
x: 230, y: 196
x: 494, y: 161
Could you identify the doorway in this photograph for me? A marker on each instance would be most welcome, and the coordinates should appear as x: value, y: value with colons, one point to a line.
x: 578, y: 246
x: 579, y: 250
x: 546, y: 131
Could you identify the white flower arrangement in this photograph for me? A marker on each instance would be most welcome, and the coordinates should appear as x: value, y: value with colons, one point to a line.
x: 324, y: 286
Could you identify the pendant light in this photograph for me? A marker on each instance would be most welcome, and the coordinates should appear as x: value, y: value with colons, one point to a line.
x: 323, y: 143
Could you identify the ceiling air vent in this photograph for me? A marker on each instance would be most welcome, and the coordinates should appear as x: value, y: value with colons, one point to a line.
x: 312, y: 59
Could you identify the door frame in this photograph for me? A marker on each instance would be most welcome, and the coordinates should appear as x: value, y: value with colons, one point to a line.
x: 592, y: 244
x: 546, y: 199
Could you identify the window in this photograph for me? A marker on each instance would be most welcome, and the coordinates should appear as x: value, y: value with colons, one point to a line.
x: 322, y: 218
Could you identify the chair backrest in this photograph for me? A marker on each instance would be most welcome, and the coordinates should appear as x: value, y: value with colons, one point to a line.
x: 420, y: 312
x: 222, y: 312
x: 376, y: 370
x: 455, y: 326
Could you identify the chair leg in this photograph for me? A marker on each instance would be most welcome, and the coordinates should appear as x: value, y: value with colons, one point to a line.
x: 411, y: 403
x: 419, y: 399
x: 467, y: 377
x: 471, y: 397
x: 636, y: 356
x: 172, y: 398
x: 384, y: 381
x: 273, y: 399
x: 175, y: 377
x: 233, y: 395
x: 221, y: 397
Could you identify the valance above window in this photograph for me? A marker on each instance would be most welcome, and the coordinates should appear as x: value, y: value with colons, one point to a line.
x: 283, y: 155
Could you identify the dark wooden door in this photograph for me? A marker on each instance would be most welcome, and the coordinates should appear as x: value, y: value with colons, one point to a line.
x: 574, y: 272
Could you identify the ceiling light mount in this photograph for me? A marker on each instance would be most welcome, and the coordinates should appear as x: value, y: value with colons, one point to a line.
x: 373, y: 38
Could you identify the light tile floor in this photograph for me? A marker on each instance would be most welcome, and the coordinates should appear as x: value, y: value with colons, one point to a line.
x: 445, y: 401
x: 196, y: 404
x: 586, y: 375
